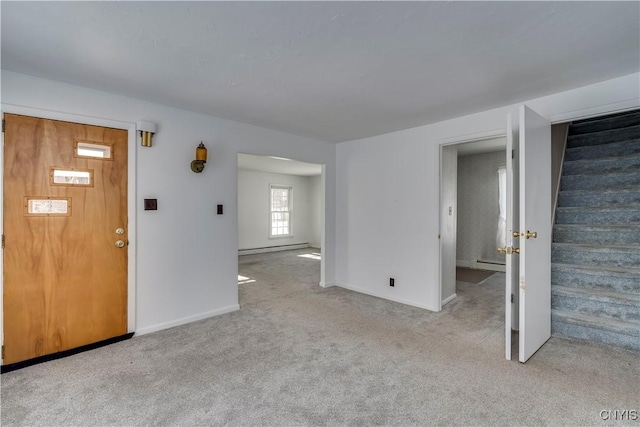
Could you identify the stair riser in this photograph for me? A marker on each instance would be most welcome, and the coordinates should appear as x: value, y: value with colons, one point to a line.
x: 598, y: 217
x: 599, y: 182
x: 595, y: 335
x: 609, y: 199
x: 581, y: 256
x: 623, y: 164
x: 606, y: 124
x: 626, y: 283
x: 597, y: 237
x: 606, y: 137
x: 605, y: 150
x: 596, y: 308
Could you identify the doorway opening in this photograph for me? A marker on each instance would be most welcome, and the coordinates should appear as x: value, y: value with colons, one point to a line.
x: 280, y: 225
x: 473, y: 202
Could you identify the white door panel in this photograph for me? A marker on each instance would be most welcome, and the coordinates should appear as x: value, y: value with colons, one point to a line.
x: 535, y: 217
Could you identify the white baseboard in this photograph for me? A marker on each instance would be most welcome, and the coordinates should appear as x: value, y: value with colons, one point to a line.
x: 326, y: 285
x: 188, y: 319
x: 387, y: 297
x: 449, y: 299
x: 272, y: 249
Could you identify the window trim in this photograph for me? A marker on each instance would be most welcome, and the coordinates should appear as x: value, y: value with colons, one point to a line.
x: 290, y: 211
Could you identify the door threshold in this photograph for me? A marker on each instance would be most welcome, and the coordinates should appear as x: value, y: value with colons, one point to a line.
x: 48, y: 357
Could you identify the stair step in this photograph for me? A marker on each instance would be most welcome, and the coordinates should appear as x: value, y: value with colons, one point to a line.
x: 616, y: 256
x: 629, y: 118
x: 600, y: 181
x: 603, y: 137
x: 596, y: 329
x: 592, y: 216
x: 625, y: 235
x: 610, y: 279
x: 629, y: 163
x: 600, y: 198
x: 613, y: 149
x: 596, y: 303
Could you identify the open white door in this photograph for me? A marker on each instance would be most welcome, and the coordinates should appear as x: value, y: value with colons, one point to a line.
x: 535, y: 232
x: 512, y: 268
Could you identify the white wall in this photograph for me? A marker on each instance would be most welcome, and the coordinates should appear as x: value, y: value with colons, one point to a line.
x: 253, y: 209
x: 388, y: 224
x: 186, y: 254
x: 478, y: 207
x: 315, y: 195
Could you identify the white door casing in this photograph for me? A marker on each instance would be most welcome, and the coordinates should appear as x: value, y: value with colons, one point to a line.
x: 511, y: 263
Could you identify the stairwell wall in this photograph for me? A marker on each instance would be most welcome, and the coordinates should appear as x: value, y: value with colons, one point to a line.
x: 558, y: 144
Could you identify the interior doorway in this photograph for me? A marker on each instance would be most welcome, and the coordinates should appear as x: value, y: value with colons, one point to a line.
x: 280, y: 220
x: 472, y: 226
x: 472, y: 212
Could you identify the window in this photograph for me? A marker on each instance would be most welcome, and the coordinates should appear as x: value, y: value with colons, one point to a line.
x: 501, y: 238
x: 280, y: 215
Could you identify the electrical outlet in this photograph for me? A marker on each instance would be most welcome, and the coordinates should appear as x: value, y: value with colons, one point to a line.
x: 392, y: 282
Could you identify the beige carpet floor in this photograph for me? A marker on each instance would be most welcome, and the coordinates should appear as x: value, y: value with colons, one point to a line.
x: 297, y: 354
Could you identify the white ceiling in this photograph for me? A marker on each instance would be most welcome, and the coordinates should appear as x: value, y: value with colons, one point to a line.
x: 331, y: 70
x: 277, y: 165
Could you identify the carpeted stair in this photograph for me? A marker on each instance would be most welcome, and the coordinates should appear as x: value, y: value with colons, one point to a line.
x: 595, y: 270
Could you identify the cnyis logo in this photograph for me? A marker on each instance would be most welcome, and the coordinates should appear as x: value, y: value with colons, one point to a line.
x: 619, y: 415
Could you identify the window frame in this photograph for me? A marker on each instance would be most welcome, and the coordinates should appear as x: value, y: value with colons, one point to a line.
x: 289, y: 188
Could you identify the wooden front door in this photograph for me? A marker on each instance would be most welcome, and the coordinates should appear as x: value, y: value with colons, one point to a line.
x: 65, y: 236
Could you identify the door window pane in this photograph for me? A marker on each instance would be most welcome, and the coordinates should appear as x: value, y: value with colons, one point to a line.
x: 47, y: 206
x: 93, y: 150
x: 71, y: 177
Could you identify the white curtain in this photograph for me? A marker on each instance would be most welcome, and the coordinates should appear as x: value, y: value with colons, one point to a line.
x: 501, y: 238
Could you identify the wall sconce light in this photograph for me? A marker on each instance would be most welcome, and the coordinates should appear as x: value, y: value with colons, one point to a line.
x: 146, y: 129
x: 201, y: 158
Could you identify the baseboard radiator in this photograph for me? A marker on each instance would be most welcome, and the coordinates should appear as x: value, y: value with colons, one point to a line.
x: 273, y: 249
x: 481, y: 265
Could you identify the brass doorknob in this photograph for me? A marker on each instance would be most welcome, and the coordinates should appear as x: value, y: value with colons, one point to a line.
x: 502, y: 250
x: 509, y: 250
x: 531, y: 234
x: 120, y: 231
x: 516, y: 234
x: 120, y: 243
x: 516, y: 250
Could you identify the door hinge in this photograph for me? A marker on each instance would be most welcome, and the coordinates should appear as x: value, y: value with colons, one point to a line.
x: 3, y: 241
x: 513, y: 154
x: 511, y: 298
x: 3, y: 125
